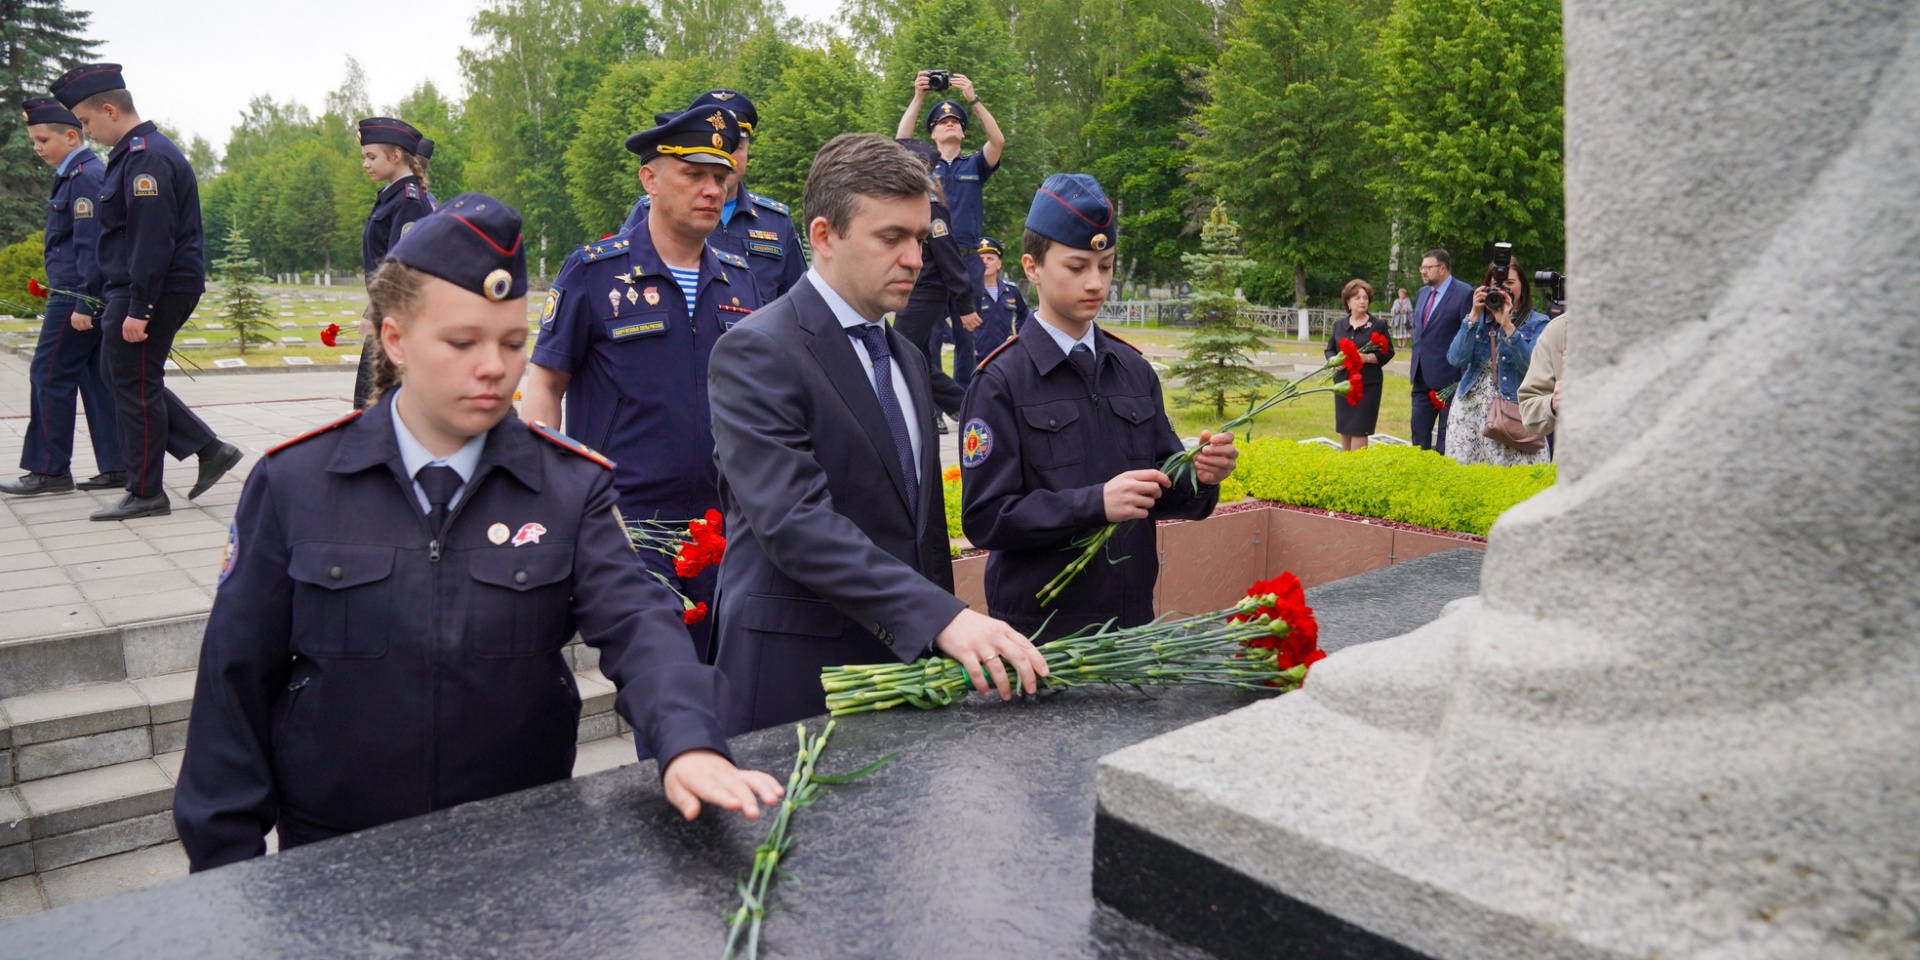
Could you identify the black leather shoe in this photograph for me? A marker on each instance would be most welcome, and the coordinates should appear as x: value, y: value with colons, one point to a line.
x: 34, y: 484
x: 214, y: 464
x: 131, y: 507
x: 104, y: 481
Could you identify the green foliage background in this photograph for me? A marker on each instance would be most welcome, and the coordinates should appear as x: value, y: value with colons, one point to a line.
x: 1331, y: 130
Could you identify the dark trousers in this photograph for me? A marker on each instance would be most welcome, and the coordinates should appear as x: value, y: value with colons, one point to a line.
x: 152, y: 420
x: 1429, y: 425
x: 66, y: 369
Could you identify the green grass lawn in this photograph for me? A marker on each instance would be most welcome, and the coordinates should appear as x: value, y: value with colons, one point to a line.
x: 1301, y: 419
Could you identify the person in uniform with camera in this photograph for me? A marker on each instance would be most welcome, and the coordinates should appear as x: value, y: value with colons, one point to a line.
x: 1493, y: 351
x: 962, y: 178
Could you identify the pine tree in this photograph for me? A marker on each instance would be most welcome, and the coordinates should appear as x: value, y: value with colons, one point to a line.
x: 39, y: 40
x: 1219, y: 358
x: 243, y: 307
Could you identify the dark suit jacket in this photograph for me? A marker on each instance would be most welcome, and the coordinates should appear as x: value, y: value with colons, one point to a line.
x: 825, y: 565
x: 1431, y: 371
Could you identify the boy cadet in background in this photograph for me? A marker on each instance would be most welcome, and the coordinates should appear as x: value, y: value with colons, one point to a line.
x: 394, y: 155
x: 752, y: 226
x: 1063, y: 433
x: 150, y: 255
x: 66, y: 361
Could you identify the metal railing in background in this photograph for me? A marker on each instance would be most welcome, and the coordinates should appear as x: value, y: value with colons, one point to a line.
x: 1180, y: 313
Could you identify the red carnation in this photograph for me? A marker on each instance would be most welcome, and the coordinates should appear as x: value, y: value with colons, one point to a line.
x: 1434, y: 397
x: 1381, y: 344
x: 704, y: 548
x: 1350, y: 356
x: 331, y: 335
x: 695, y: 613
x: 36, y: 289
x: 1283, y: 600
x: 1356, y: 391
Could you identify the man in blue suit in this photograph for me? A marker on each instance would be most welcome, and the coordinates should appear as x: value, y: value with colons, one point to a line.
x: 1442, y: 304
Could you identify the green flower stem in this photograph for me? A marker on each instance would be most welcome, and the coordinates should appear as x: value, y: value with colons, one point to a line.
x: 801, y: 792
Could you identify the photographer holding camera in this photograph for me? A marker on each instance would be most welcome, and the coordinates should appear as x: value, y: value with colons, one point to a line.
x: 1493, y: 351
x: 962, y: 178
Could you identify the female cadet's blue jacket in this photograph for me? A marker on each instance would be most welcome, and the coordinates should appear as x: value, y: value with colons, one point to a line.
x: 360, y: 668
x: 1469, y: 351
x: 395, y: 208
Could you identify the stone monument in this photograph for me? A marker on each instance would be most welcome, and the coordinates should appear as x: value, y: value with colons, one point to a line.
x: 1683, y: 717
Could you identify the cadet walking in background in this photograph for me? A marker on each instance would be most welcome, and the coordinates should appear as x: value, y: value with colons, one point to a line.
x: 751, y: 226
x: 1064, y: 433
x: 395, y: 156
x: 386, y: 639
x: 150, y: 256
x: 1001, y: 305
x: 627, y: 329
x: 66, y: 360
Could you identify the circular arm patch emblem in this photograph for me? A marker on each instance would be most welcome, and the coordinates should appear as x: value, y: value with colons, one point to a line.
x: 976, y: 443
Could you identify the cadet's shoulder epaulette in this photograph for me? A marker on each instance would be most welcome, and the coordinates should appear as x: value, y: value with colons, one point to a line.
x: 768, y: 202
x: 413, y: 191
x: 568, y: 443
x: 601, y: 249
x: 137, y: 143
x: 730, y: 258
x: 310, y: 434
x: 1115, y: 339
x: 982, y: 365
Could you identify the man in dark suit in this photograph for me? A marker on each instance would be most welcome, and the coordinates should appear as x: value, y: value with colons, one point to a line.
x: 1442, y: 304
x: 829, y: 471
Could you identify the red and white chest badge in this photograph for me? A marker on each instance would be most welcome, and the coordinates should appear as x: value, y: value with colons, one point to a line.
x: 528, y: 534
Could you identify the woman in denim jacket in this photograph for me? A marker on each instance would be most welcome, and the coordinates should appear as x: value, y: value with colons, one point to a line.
x: 1511, y: 332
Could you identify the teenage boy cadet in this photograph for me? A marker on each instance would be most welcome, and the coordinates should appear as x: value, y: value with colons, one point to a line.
x: 150, y: 254
x: 66, y: 361
x: 629, y: 324
x: 1064, y: 431
x: 753, y: 226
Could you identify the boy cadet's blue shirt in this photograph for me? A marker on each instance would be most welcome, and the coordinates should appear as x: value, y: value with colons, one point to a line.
x: 760, y: 230
x: 1038, y: 445
x: 72, y: 238
x: 616, y: 321
x: 963, y: 181
x: 150, y: 236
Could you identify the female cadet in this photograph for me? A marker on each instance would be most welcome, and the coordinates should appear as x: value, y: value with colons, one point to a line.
x: 395, y: 156
x: 398, y: 586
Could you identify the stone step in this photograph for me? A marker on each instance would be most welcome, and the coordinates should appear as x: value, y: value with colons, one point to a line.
x: 132, y: 652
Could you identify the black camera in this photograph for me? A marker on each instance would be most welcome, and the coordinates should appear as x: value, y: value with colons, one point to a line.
x: 939, y: 79
x: 1553, y: 287
x: 1497, y: 290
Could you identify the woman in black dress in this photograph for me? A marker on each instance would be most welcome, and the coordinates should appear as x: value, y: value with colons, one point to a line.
x: 1356, y: 421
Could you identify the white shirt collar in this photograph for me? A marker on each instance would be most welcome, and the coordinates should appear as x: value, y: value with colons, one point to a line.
x: 1066, y: 342
x: 414, y: 455
x: 842, y: 310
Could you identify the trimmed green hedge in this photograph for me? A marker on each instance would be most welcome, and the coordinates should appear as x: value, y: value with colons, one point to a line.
x: 1404, y: 484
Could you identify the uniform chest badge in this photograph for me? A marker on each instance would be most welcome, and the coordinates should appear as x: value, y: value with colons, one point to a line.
x: 613, y: 297
x: 498, y: 534
x: 529, y: 533
x: 763, y: 235
x: 652, y: 295
x: 976, y: 443
x: 82, y: 208
x: 631, y: 296
x: 145, y: 186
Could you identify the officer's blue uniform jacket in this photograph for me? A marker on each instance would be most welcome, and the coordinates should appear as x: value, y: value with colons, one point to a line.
x: 149, y: 222
x: 1002, y: 310
x: 1038, y: 445
x: 616, y: 321
x: 360, y: 667
x: 760, y: 230
x: 963, y: 181
x: 398, y: 205
x: 72, y: 237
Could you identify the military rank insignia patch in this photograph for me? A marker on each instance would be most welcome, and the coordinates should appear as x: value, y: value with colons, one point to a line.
x: 228, y: 555
x: 976, y: 443
x: 762, y: 235
x: 145, y: 186
x: 413, y: 191
x: 552, y: 307
x: 83, y: 208
x: 137, y: 143
x: 939, y: 227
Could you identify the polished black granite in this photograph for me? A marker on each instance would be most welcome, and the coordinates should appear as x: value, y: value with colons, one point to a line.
x: 977, y: 841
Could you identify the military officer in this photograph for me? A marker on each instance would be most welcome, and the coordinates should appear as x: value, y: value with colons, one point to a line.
x: 386, y: 639
x: 150, y: 256
x: 629, y: 324
x: 394, y: 155
x: 1001, y: 305
x: 1064, y: 432
x: 753, y: 226
x: 66, y: 361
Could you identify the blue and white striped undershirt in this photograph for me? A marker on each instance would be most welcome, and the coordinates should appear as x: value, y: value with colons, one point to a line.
x: 689, y: 281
